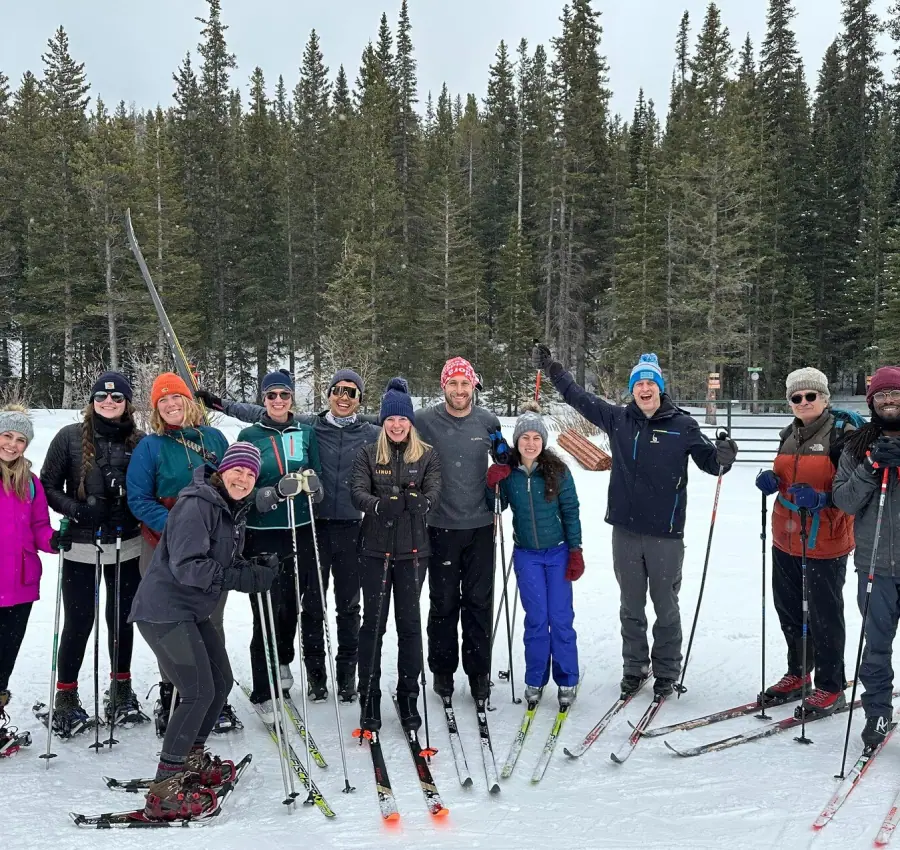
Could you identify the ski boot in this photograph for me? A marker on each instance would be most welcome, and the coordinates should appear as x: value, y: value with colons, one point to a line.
x: 789, y: 687
x: 127, y: 708
x: 533, y: 693
x: 317, y: 685
x: 212, y: 770
x: 266, y: 710
x: 287, y: 678
x: 179, y: 797
x: 227, y: 722
x: 409, y: 712
x: 442, y: 684
x: 820, y: 704
x: 163, y: 707
x: 370, y: 712
x: 69, y: 717
x: 346, y: 683
x: 663, y: 687
x: 566, y: 695
x: 480, y: 686
x: 876, y: 730
x: 630, y: 684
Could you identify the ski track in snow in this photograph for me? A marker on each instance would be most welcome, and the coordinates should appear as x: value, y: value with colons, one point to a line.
x: 759, y: 795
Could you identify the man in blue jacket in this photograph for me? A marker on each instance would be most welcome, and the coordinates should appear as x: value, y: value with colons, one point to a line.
x: 651, y: 440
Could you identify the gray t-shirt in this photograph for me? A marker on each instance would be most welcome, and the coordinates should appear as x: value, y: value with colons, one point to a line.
x: 463, y: 444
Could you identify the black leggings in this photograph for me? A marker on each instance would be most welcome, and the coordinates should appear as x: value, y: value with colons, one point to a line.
x: 78, y: 605
x: 193, y: 658
x: 13, y: 620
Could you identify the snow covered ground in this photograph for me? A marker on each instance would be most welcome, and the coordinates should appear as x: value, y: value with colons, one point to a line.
x: 760, y: 795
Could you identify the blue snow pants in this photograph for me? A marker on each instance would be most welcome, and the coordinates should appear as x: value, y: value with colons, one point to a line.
x: 549, y: 617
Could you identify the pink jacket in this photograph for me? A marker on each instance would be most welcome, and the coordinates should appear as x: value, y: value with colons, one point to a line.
x: 24, y: 530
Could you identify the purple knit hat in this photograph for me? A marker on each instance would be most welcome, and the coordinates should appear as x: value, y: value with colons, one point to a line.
x: 241, y: 454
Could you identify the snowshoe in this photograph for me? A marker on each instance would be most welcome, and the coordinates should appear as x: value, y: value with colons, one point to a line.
x: 287, y: 678
x: 317, y: 685
x: 11, y: 740
x: 228, y: 721
x: 346, y: 684
x: 69, y: 717
x: 179, y: 797
x: 876, y: 729
x: 480, y: 686
x: 788, y: 687
x: 370, y: 712
x: 408, y: 705
x: 630, y: 684
x: 820, y: 704
x: 127, y: 708
x: 442, y: 683
x: 566, y: 695
x: 212, y: 770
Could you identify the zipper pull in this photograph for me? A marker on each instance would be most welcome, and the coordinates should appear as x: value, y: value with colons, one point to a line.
x: 528, y: 479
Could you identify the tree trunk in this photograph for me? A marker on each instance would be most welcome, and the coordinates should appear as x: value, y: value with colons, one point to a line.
x: 159, y: 280
x: 110, y: 303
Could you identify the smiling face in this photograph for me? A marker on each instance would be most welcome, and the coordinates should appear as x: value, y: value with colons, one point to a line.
x: 107, y: 405
x: 646, y: 396
x: 12, y: 445
x: 397, y: 428
x: 171, y: 409
x: 239, y: 482
x: 807, y: 405
x: 339, y: 401
x: 887, y: 406
x: 530, y: 445
x: 458, y: 393
x: 278, y: 402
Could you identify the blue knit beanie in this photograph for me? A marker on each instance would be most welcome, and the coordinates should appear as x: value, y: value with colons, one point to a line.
x: 396, y: 401
x: 277, y: 380
x: 347, y: 375
x: 647, y: 369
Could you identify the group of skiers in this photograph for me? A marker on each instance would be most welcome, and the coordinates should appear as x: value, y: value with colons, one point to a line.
x: 172, y: 519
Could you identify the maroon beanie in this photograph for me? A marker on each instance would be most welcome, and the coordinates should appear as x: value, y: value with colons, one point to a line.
x: 885, y: 378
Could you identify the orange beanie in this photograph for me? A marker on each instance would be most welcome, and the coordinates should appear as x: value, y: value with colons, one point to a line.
x: 168, y: 384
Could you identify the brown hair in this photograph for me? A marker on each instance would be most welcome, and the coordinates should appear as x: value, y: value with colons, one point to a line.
x: 551, y: 467
x: 88, y: 450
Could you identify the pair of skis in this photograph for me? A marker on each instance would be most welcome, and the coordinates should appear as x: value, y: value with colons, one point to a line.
x: 456, y: 747
x: 136, y: 818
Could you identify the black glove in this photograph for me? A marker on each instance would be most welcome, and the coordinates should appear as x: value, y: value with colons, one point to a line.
x: 267, y: 499
x: 113, y: 480
x: 886, y: 452
x: 213, y: 402
x: 391, y: 506
x: 270, y: 561
x: 61, y: 540
x: 247, y: 577
x: 416, y: 502
x: 726, y: 451
x: 90, y: 513
x: 542, y: 358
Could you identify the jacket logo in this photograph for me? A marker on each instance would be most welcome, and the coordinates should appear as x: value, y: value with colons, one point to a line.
x: 818, y: 447
x: 382, y: 471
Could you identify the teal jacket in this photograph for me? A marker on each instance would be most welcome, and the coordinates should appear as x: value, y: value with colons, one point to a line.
x: 284, y: 448
x: 537, y: 523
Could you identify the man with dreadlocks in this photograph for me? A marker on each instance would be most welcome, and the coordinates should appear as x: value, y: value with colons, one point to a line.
x: 872, y: 454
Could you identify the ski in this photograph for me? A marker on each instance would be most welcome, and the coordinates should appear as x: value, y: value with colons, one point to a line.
x: 487, y: 748
x: 387, y: 802
x: 296, y: 765
x: 426, y: 780
x: 765, y: 732
x: 541, y: 767
x: 459, y: 756
x: 519, y: 741
x: 296, y: 717
x: 850, y: 781
x: 647, y: 718
x: 889, y: 824
x: 137, y: 818
x: 580, y: 749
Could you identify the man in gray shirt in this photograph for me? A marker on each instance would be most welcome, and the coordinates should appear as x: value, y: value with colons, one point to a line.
x: 461, y: 574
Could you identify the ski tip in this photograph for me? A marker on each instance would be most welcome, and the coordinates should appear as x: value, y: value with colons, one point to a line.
x: 672, y: 749
x: 615, y: 759
x: 467, y: 782
x: 494, y: 789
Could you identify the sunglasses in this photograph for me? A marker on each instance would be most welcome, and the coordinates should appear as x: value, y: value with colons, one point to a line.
x: 350, y: 392
x: 284, y: 396
x: 891, y: 395
x: 799, y: 397
x: 118, y: 398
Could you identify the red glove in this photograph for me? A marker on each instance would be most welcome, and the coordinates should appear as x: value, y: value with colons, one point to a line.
x: 496, y: 473
x: 575, y: 570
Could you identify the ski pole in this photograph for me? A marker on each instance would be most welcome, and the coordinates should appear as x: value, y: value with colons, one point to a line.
x: 509, y: 634
x: 264, y: 606
x: 310, y: 799
x: 63, y: 526
x: 804, y: 672
x: 98, y: 574
x: 337, y: 712
x: 862, y: 629
x: 114, y: 684
x: 429, y: 751
x: 720, y: 435
x: 507, y: 572
x: 762, y: 693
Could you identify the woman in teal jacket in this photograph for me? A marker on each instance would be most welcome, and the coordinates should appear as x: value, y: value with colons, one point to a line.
x: 285, y: 446
x: 540, y: 491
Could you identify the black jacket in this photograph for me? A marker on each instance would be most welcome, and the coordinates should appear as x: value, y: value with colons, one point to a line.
x: 203, y: 535
x: 648, y: 480
x: 61, y: 474
x: 371, y: 481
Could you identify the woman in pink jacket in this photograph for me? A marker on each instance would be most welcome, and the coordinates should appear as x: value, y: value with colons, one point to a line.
x: 24, y: 530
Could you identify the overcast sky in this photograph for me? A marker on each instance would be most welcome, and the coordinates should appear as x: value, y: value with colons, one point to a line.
x: 131, y: 47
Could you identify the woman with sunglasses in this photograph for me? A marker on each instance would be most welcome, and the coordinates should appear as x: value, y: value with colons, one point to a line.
x: 84, y: 476
x: 285, y: 446
x: 163, y: 465
x: 802, y: 477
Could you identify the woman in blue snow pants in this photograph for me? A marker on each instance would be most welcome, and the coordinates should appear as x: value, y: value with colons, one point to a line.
x: 539, y: 489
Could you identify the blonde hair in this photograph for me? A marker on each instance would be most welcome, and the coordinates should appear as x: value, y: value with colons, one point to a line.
x: 193, y: 416
x: 415, y: 447
x: 16, y: 476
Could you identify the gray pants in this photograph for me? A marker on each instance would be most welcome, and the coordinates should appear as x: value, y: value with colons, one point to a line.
x: 217, y: 618
x: 639, y: 561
